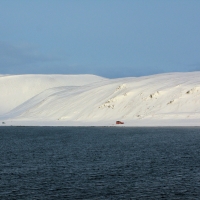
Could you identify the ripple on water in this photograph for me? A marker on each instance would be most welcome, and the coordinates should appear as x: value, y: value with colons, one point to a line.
x: 99, y: 163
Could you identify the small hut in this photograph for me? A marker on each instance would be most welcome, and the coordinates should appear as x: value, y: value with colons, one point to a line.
x: 119, y: 122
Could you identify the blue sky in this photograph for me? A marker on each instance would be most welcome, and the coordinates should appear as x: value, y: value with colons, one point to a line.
x: 109, y: 38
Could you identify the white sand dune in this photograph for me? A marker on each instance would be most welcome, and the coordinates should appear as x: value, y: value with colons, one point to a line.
x: 165, y: 99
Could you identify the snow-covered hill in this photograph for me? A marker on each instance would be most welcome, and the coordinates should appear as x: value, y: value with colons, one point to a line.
x: 16, y: 89
x: 157, y: 98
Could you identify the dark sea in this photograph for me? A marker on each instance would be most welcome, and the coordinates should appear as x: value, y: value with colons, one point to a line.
x: 99, y: 163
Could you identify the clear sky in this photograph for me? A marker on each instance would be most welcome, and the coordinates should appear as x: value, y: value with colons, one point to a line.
x: 111, y: 38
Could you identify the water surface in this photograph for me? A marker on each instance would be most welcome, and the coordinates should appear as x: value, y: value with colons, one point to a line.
x: 99, y: 163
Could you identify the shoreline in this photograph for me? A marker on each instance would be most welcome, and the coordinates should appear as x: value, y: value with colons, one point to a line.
x: 110, y: 123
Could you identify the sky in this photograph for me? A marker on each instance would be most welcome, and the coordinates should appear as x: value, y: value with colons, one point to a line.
x: 110, y: 38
